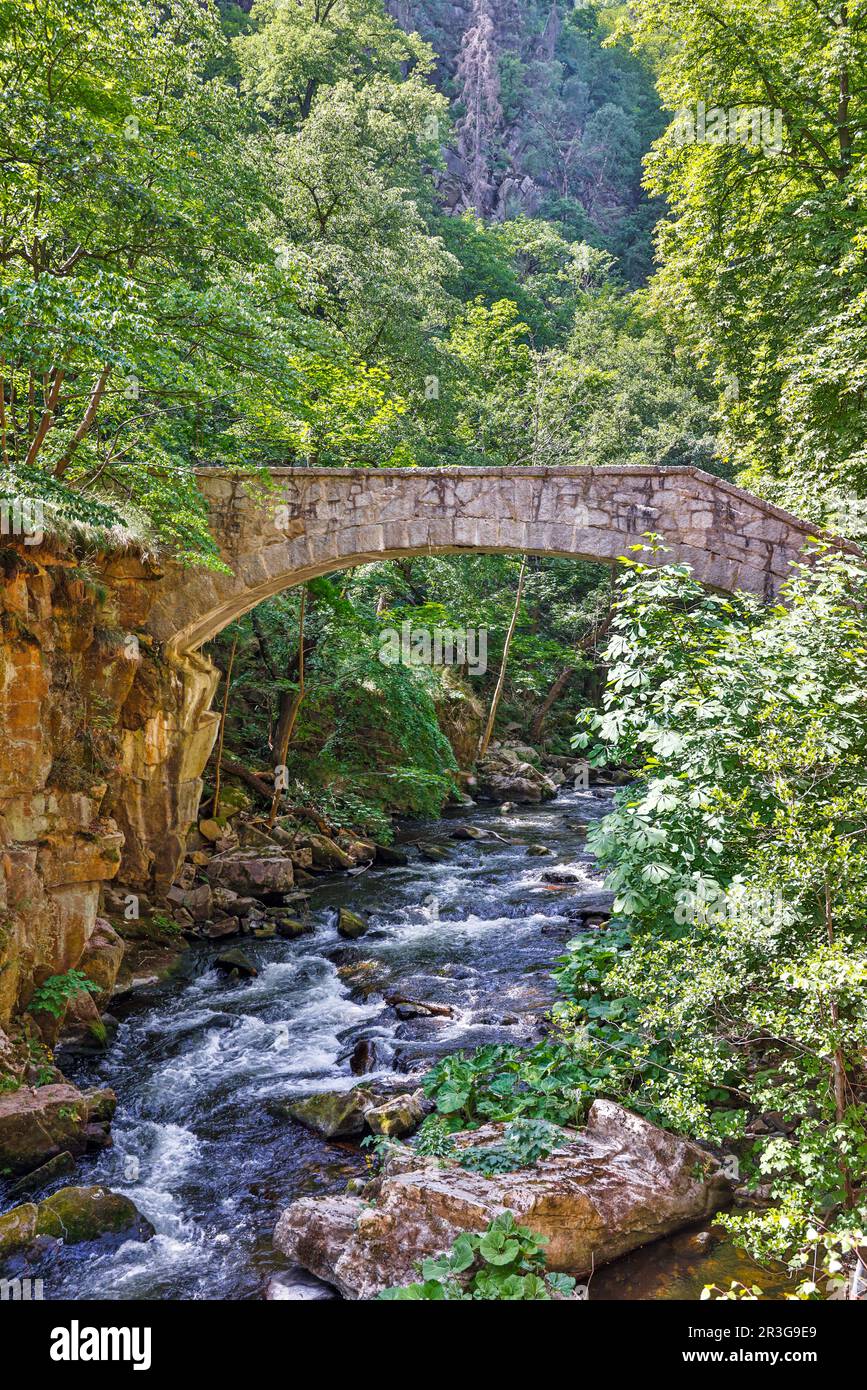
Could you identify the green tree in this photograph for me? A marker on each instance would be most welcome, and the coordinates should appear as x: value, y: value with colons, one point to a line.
x: 739, y: 858
x: 120, y: 295
x: 763, y: 248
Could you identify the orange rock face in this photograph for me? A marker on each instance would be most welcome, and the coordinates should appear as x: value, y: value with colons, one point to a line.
x: 103, y: 744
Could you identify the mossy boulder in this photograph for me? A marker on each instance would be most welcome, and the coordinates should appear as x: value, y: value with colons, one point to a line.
x: 333, y: 1114
x: 290, y: 927
x: 17, y: 1229
x: 89, y: 1213
x: 349, y: 924
x: 234, y: 962
x: 399, y: 1115
x: 434, y: 854
x: 391, y: 855
x: 328, y: 855
x: 233, y: 800
x: 56, y: 1167
x: 37, y: 1124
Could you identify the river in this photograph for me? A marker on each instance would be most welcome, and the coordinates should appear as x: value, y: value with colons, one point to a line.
x: 201, y: 1061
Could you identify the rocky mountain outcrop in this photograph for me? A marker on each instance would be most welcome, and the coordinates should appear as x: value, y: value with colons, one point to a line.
x: 618, y: 1184
x: 545, y: 119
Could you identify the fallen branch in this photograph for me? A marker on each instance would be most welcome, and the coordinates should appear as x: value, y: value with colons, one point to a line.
x: 439, y: 1010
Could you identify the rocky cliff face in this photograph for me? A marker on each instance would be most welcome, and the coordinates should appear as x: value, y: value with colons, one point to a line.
x: 103, y: 744
x: 546, y: 121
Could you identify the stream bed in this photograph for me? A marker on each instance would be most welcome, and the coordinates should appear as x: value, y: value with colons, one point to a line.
x: 200, y: 1060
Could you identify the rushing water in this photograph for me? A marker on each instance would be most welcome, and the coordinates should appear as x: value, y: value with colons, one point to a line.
x: 200, y: 1059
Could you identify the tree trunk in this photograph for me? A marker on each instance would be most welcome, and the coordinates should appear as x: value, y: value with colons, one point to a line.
x: 501, y: 678
x: 588, y: 641
x: 292, y: 715
x: 216, y: 810
x: 86, y: 422
x: 556, y: 690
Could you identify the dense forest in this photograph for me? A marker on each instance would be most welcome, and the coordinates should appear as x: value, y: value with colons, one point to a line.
x: 434, y: 233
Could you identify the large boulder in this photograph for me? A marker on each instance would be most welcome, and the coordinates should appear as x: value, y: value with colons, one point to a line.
x: 617, y: 1184
x: 333, y: 1114
x: 75, y: 1214
x: 17, y: 1229
x: 252, y: 873
x: 37, y: 1124
x: 399, y: 1115
x: 101, y: 960
x: 502, y: 776
x: 85, y: 1031
x: 327, y: 854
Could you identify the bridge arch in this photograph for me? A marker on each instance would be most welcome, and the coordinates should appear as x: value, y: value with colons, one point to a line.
x: 313, y: 521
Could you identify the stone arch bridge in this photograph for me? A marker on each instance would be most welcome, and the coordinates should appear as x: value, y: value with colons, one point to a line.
x: 312, y: 521
x: 306, y: 522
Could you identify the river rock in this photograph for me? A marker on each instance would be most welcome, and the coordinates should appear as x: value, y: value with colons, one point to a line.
x: 235, y: 962
x: 85, y: 1213
x: 251, y: 872
x: 290, y: 928
x: 391, y: 855
x: 593, y: 904
x: 333, y: 1114
x: 38, y: 1124
x: 222, y: 925
x: 328, y: 855
x: 617, y: 1184
x: 226, y: 899
x: 198, y: 901
x: 360, y: 851
x: 399, y: 1115
x: 17, y: 1229
x: 101, y: 960
x: 86, y: 1032
x: 56, y: 1167
x: 433, y: 853
x: 297, y: 1286
x: 536, y: 851
x: 349, y: 924
x: 502, y: 776
x: 364, y: 1057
